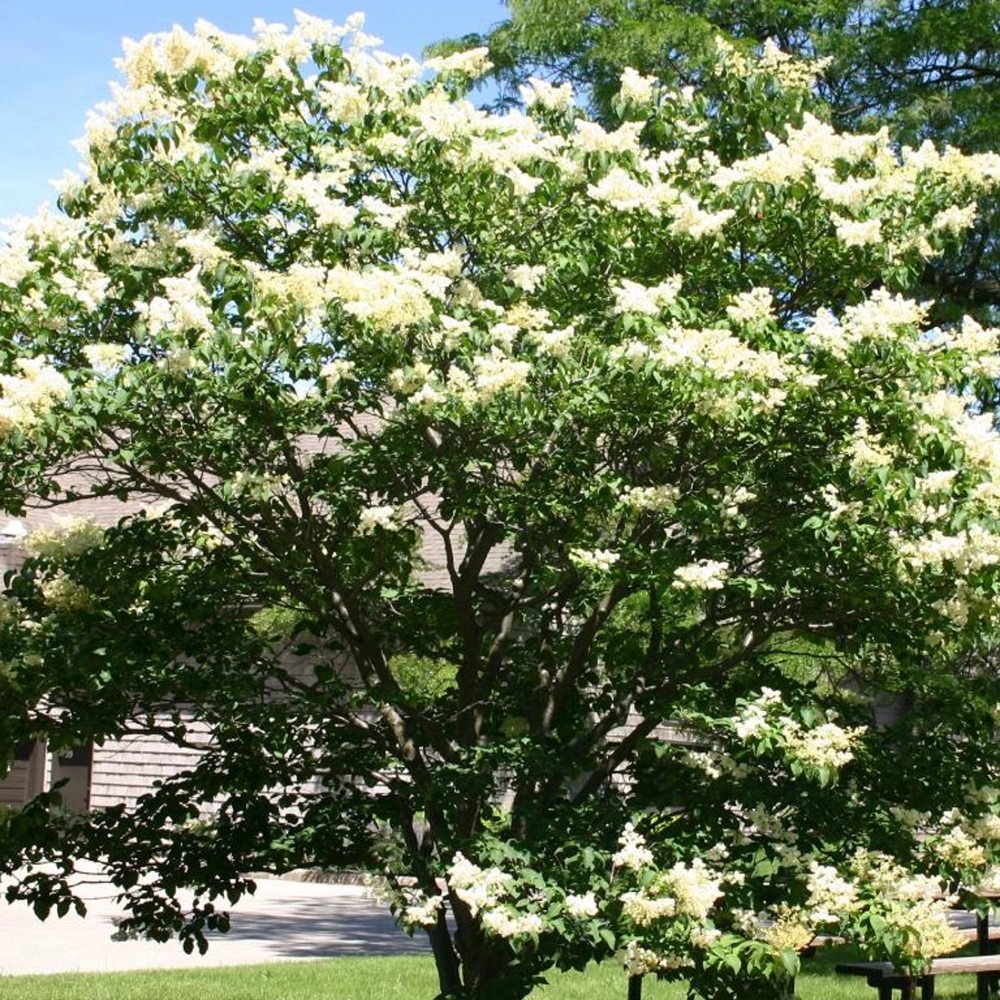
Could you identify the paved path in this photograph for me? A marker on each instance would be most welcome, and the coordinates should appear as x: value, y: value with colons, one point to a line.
x: 283, y: 920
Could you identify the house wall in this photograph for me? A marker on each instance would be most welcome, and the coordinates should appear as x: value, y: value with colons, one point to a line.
x: 125, y: 768
x: 121, y: 770
x: 26, y: 777
x: 73, y: 769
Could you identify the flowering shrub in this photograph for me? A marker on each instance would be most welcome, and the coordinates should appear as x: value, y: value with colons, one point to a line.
x: 732, y: 919
x: 473, y: 450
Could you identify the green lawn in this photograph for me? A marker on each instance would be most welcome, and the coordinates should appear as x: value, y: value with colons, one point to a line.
x: 392, y: 979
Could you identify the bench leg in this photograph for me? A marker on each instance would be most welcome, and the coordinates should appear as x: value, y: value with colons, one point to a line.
x: 884, y: 992
x: 927, y: 988
x: 983, y: 947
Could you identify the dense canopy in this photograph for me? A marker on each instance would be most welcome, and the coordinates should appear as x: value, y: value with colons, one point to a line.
x: 523, y: 507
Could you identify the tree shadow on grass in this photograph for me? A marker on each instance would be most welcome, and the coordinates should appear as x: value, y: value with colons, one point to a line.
x: 313, y: 928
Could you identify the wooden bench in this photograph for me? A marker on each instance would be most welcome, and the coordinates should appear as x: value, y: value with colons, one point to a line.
x: 885, y: 977
x: 972, y: 934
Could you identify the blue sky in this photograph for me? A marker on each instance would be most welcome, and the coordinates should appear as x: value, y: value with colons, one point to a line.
x: 57, y: 57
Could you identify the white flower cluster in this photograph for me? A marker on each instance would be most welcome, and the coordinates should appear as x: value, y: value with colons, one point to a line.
x: 25, y: 239
x: 639, y: 961
x: 866, y: 450
x: 590, y: 137
x: 850, y: 193
x: 503, y: 923
x: 830, y: 895
x: 478, y: 888
x: 70, y: 537
x: 624, y: 192
x: 526, y: 276
x: 313, y: 191
x: 498, y: 373
x: 423, y: 913
x: 974, y: 432
x: 631, y: 297
x: 911, y: 819
x: 791, y: 71
x: 633, y: 853
x: 653, y: 498
x: 383, y: 517
x: 956, y: 219
x: 705, y: 574
x: 824, y: 746
x: 977, y: 794
x: 636, y: 88
x: 261, y: 486
x: 472, y: 62
x: 553, y: 343
x: 212, y: 52
x: 734, y: 498
x: 967, y: 551
x: 690, y: 219
x: 785, y: 927
x: 884, y: 315
x: 775, y: 825
x: 882, y: 875
x: 695, y: 887
x: 714, y: 764
x: 989, y: 880
x: 811, y: 151
x: 749, y: 308
x: 704, y: 937
x: 644, y: 909
x: 935, y: 483
x: 963, y: 842
x: 63, y: 594
x: 580, y: 907
x: 595, y: 560
x: 390, y: 299
x: 959, y: 848
x: 547, y: 95
x: 915, y: 905
x: 484, y: 892
x: 758, y: 375
x: 343, y: 102
x: 334, y: 372
x: 857, y: 232
x: 29, y: 396
x: 11, y: 611
x: 185, y: 305
x: 756, y: 714
x: 104, y: 358
x: 979, y: 345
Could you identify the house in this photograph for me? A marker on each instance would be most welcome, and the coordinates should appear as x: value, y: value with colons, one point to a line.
x: 120, y: 770
x: 99, y: 775
x: 117, y: 770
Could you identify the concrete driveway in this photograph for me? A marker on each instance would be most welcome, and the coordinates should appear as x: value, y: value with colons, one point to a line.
x: 283, y: 920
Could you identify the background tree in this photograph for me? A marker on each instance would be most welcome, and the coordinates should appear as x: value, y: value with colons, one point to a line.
x: 656, y: 399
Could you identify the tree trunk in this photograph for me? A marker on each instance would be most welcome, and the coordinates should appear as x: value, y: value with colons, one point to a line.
x: 448, y: 970
x: 490, y: 970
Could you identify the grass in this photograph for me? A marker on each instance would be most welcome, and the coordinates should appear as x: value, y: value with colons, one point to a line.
x: 403, y: 978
